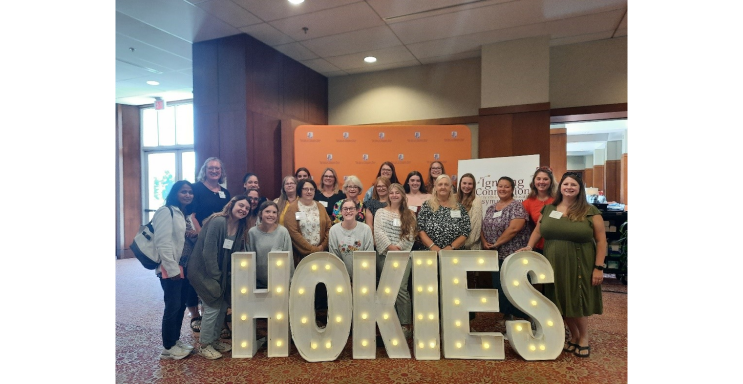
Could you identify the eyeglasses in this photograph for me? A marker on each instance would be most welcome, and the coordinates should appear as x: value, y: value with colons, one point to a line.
x: 347, y: 209
x: 352, y: 187
x: 290, y: 183
x: 254, y: 198
x: 308, y: 189
x: 381, y: 187
x: 436, y: 168
x: 329, y: 176
x: 545, y: 169
x: 214, y: 168
x: 386, y: 170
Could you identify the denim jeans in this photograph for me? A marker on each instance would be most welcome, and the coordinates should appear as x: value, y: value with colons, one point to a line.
x: 505, y: 305
x: 174, y: 295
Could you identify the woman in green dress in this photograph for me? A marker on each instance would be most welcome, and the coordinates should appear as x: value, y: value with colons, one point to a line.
x: 575, y: 245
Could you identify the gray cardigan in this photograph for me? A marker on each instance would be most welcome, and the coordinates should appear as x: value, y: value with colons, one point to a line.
x: 209, y: 265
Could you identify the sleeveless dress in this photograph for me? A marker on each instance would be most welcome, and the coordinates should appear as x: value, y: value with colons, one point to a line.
x: 571, y: 249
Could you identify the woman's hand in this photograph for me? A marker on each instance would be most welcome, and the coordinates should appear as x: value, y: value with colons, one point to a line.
x: 527, y: 248
x: 598, y: 277
x: 192, y: 233
x: 393, y: 248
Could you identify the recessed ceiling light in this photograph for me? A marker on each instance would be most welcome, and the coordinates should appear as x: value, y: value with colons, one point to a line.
x: 296, y: 1
x: 152, y: 82
x: 370, y: 59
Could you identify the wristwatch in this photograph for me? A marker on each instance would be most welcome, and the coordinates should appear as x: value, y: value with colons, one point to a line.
x: 600, y: 267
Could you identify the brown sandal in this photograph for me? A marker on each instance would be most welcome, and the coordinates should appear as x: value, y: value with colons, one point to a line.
x: 569, y: 347
x: 579, y: 350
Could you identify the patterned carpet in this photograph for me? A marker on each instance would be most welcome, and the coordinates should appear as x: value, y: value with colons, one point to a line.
x: 139, y: 308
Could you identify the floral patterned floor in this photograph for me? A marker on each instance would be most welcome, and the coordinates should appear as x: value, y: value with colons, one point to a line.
x: 139, y: 308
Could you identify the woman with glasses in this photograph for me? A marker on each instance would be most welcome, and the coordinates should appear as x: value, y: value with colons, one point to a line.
x: 394, y: 230
x: 575, y: 245
x: 349, y: 234
x: 435, y: 170
x: 288, y: 196
x: 352, y: 188
x: 328, y: 194
x: 308, y: 225
x: 387, y: 169
x: 379, y: 200
x: 504, y: 229
x: 208, y: 197
x: 254, y: 199
x: 541, y: 193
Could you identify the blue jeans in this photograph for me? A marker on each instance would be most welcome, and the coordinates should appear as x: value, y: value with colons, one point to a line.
x: 174, y: 295
x: 505, y: 305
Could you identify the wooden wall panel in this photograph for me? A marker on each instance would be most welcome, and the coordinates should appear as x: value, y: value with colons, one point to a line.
x: 598, y: 177
x: 233, y: 146
x: 515, y: 131
x: 558, y: 151
x: 206, y: 138
x: 205, y: 75
x: 267, y: 137
x: 128, y: 132
x: 294, y: 89
x: 317, y: 97
x: 587, y: 176
x: 623, y: 185
x: 264, y: 66
x: 231, y: 73
x: 612, y: 180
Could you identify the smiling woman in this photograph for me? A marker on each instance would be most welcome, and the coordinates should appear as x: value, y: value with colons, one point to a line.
x: 267, y: 237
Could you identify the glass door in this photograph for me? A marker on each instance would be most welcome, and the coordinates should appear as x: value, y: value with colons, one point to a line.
x: 162, y: 170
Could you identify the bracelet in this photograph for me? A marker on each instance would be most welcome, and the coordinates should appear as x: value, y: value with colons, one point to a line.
x: 429, y: 247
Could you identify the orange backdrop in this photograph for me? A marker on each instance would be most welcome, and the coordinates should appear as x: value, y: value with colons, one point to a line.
x: 361, y: 150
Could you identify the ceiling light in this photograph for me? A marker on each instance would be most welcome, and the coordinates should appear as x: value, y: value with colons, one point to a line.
x: 296, y: 1
x: 370, y: 59
x: 152, y: 82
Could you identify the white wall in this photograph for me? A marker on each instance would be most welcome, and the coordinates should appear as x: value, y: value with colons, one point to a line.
x: 516, y: 72
x: 576, y: 162
x: 415, y: 93
x: 592, y: 73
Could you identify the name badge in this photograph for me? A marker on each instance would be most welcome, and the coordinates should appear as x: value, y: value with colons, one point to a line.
x: 300, y: 216
x: 324, y: 204
x: 396, y: 222
x: 227, y: 244
x: 555, y: 214
x: 221, y: 194
x: 456, y: 213
x: 498, y: 214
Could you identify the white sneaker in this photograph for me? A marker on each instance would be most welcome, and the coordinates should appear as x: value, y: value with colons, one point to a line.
x: 175, y: 352
x: 220, y: 346
x: 183, y: 345
x: 209, y: 352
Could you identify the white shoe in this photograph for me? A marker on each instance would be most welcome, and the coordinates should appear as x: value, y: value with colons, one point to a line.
x: 175, y: 352
x: 209, y: 352
x: 183, y: 345
x: 220, y: 346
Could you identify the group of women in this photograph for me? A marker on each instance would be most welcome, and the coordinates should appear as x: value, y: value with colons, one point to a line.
x: 428, y: 214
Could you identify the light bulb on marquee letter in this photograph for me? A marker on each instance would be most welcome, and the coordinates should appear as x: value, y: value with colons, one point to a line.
x: 425, y: 303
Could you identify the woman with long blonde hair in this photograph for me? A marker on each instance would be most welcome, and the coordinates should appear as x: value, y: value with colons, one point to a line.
x: 443, y: 221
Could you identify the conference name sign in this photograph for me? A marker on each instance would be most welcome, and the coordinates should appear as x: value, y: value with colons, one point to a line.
x: 290, y: 308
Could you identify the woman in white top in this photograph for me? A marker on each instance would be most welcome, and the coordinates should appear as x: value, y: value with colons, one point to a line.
x: 394, y: 230
x: 268, y: 236
x: 349, y: 235
x: 473, y: 204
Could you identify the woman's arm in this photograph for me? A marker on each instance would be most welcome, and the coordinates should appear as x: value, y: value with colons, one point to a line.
x: 536, y: 234
x: 381, y: 240
x: 457, y: 243
x: 599, y: 234
x: 325, y: 225
x: 162, y: 224
x: 369, y: 220
x: 196, y: 224
x: 514, y: 226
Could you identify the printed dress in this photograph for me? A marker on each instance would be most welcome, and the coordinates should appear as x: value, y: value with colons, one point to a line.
x: 571, y: 249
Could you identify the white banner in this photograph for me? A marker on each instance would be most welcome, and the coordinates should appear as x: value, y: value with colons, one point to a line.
x: 487, y: 172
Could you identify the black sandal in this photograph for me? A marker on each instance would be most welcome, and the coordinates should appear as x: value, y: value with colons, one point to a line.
x: 196, y: 327
x: 579, y: 349
x: 569, y: 347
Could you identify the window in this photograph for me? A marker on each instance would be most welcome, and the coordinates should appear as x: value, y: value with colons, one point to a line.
x: 167, y: 153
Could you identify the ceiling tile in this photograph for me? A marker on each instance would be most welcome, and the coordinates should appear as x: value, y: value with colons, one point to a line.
x: 395, y: 9
x: 375, y: 68
x: 267, y: 34
x: 351, y: 42
x: 148, y: 56
x: 583, y: 25
x: 281, y: 9
x: 296, y: 51
x: 329, y: 22
x: 384, y: 56
x: 320, y: 65
x: 454, y: 57
x: 146, y: 34
x: 230, y: 13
